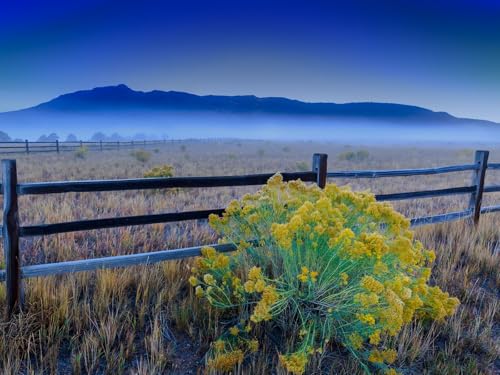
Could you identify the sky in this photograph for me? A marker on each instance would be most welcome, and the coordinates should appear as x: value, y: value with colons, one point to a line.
x: 442, y: 55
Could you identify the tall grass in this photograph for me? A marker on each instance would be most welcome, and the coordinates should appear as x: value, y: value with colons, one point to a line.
x: 146, y: 319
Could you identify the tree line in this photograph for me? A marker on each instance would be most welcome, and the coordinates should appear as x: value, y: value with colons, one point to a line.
x: 96, y: 137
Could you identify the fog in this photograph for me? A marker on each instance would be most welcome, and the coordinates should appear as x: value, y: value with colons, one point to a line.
x: 178, y: 125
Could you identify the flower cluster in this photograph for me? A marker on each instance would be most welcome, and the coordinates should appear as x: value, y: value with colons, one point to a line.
x: 165, y: 170
x: 337, y: 264
x: 306, y: 275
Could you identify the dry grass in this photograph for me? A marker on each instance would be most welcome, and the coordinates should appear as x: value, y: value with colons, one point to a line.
x: 145, y: 320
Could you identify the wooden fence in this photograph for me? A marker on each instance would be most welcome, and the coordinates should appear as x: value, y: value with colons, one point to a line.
x: 12, y: 231
x: 27, y: 147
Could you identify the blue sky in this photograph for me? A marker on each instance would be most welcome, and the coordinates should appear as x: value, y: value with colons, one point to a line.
x: 443, y: 55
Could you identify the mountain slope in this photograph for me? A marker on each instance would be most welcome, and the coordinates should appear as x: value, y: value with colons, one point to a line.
x: 121, y: 97
x: 180, y: 115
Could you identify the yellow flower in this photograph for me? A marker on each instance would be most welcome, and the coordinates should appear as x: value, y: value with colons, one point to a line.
x: 294, y: 363
x: 380, y: 268
x: 282, y: 235
x: 275, y: 180
x: 389, y: 355
x: 193, y: 281
x: 208, y: 252
x: 302, y: 277
x: 314, y: 276
x: 209, y: 279
x: 253, y: 346
x: 372, y: 285
x: 198, y: 291
x: 226, y: 361
x: 356, y: 340
x: 222, y: 261
x: 249, y: 286
x: 254, y: 273
x: 234, y: 330
x: 366, y: 299
x: 366, y: 318
x: 253, y: 219
x: 306, y: 275
x: 344, y: 278
x: 376, y: 356
x: 270, y: 296
x: 219, y: 345
x: 259, y: 286
x: 375, y: 338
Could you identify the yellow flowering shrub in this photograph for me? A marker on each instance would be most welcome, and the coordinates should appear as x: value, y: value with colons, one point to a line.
x: 165, y: 170
x: 339, y: 265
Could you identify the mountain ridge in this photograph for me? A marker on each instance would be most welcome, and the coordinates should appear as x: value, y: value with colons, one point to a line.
x: 121, y: 97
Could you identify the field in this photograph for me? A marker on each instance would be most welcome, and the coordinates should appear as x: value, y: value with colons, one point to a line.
x: 146, y: 320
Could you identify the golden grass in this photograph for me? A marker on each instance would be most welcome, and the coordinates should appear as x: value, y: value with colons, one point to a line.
x: 145, y: 320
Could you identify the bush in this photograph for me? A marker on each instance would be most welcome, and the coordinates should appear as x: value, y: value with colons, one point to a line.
x: 81, y: 152
x: 165, y: 170
x: 141, y: 155
x: 360, y: 155
x: 303, y: 166
x: 329, y: 266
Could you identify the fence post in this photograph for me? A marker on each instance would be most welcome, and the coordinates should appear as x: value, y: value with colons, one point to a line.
x: 57, y: 145
x: 100, y: 145
x: 320, y: 166
x: 81, y: 144
x: 118, y: 145
x: 10, y: 233
x: 27, y: 146
x: 132, y: 143
x: 478, y: 176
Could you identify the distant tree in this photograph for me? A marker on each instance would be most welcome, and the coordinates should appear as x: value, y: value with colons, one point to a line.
x: 115, y: 137
x: 98, y: 137
x: 52, y: 137
x: 139, y: 137
x: 71, y: 138
x: 4, y: 137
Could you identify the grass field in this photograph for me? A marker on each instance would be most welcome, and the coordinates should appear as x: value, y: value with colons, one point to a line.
x: 146, y: 320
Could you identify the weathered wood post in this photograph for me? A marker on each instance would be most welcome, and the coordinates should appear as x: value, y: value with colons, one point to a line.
x: 81, y: 144
x: 57, y: 145
x: 478, y: 176
x: 100, y: 145
x: 118, y: 145
x: 320, y: 167
x: 27, y: 146
x: 10, y: 233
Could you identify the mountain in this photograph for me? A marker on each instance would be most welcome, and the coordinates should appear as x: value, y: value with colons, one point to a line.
x: 121, y: 97
x: 158, y: 111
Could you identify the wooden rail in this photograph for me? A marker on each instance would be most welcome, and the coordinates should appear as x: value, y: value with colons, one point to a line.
x: 155, y: 183
x: 12, y: 231
x: 401, y: 172
x: 28, y: 147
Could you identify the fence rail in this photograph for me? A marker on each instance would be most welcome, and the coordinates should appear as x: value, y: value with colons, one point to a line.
x: 12, y: 231
x: 28, y: 147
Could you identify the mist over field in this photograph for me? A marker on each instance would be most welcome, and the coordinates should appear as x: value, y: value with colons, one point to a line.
x: 178, y: 115
x: 184, y: 126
